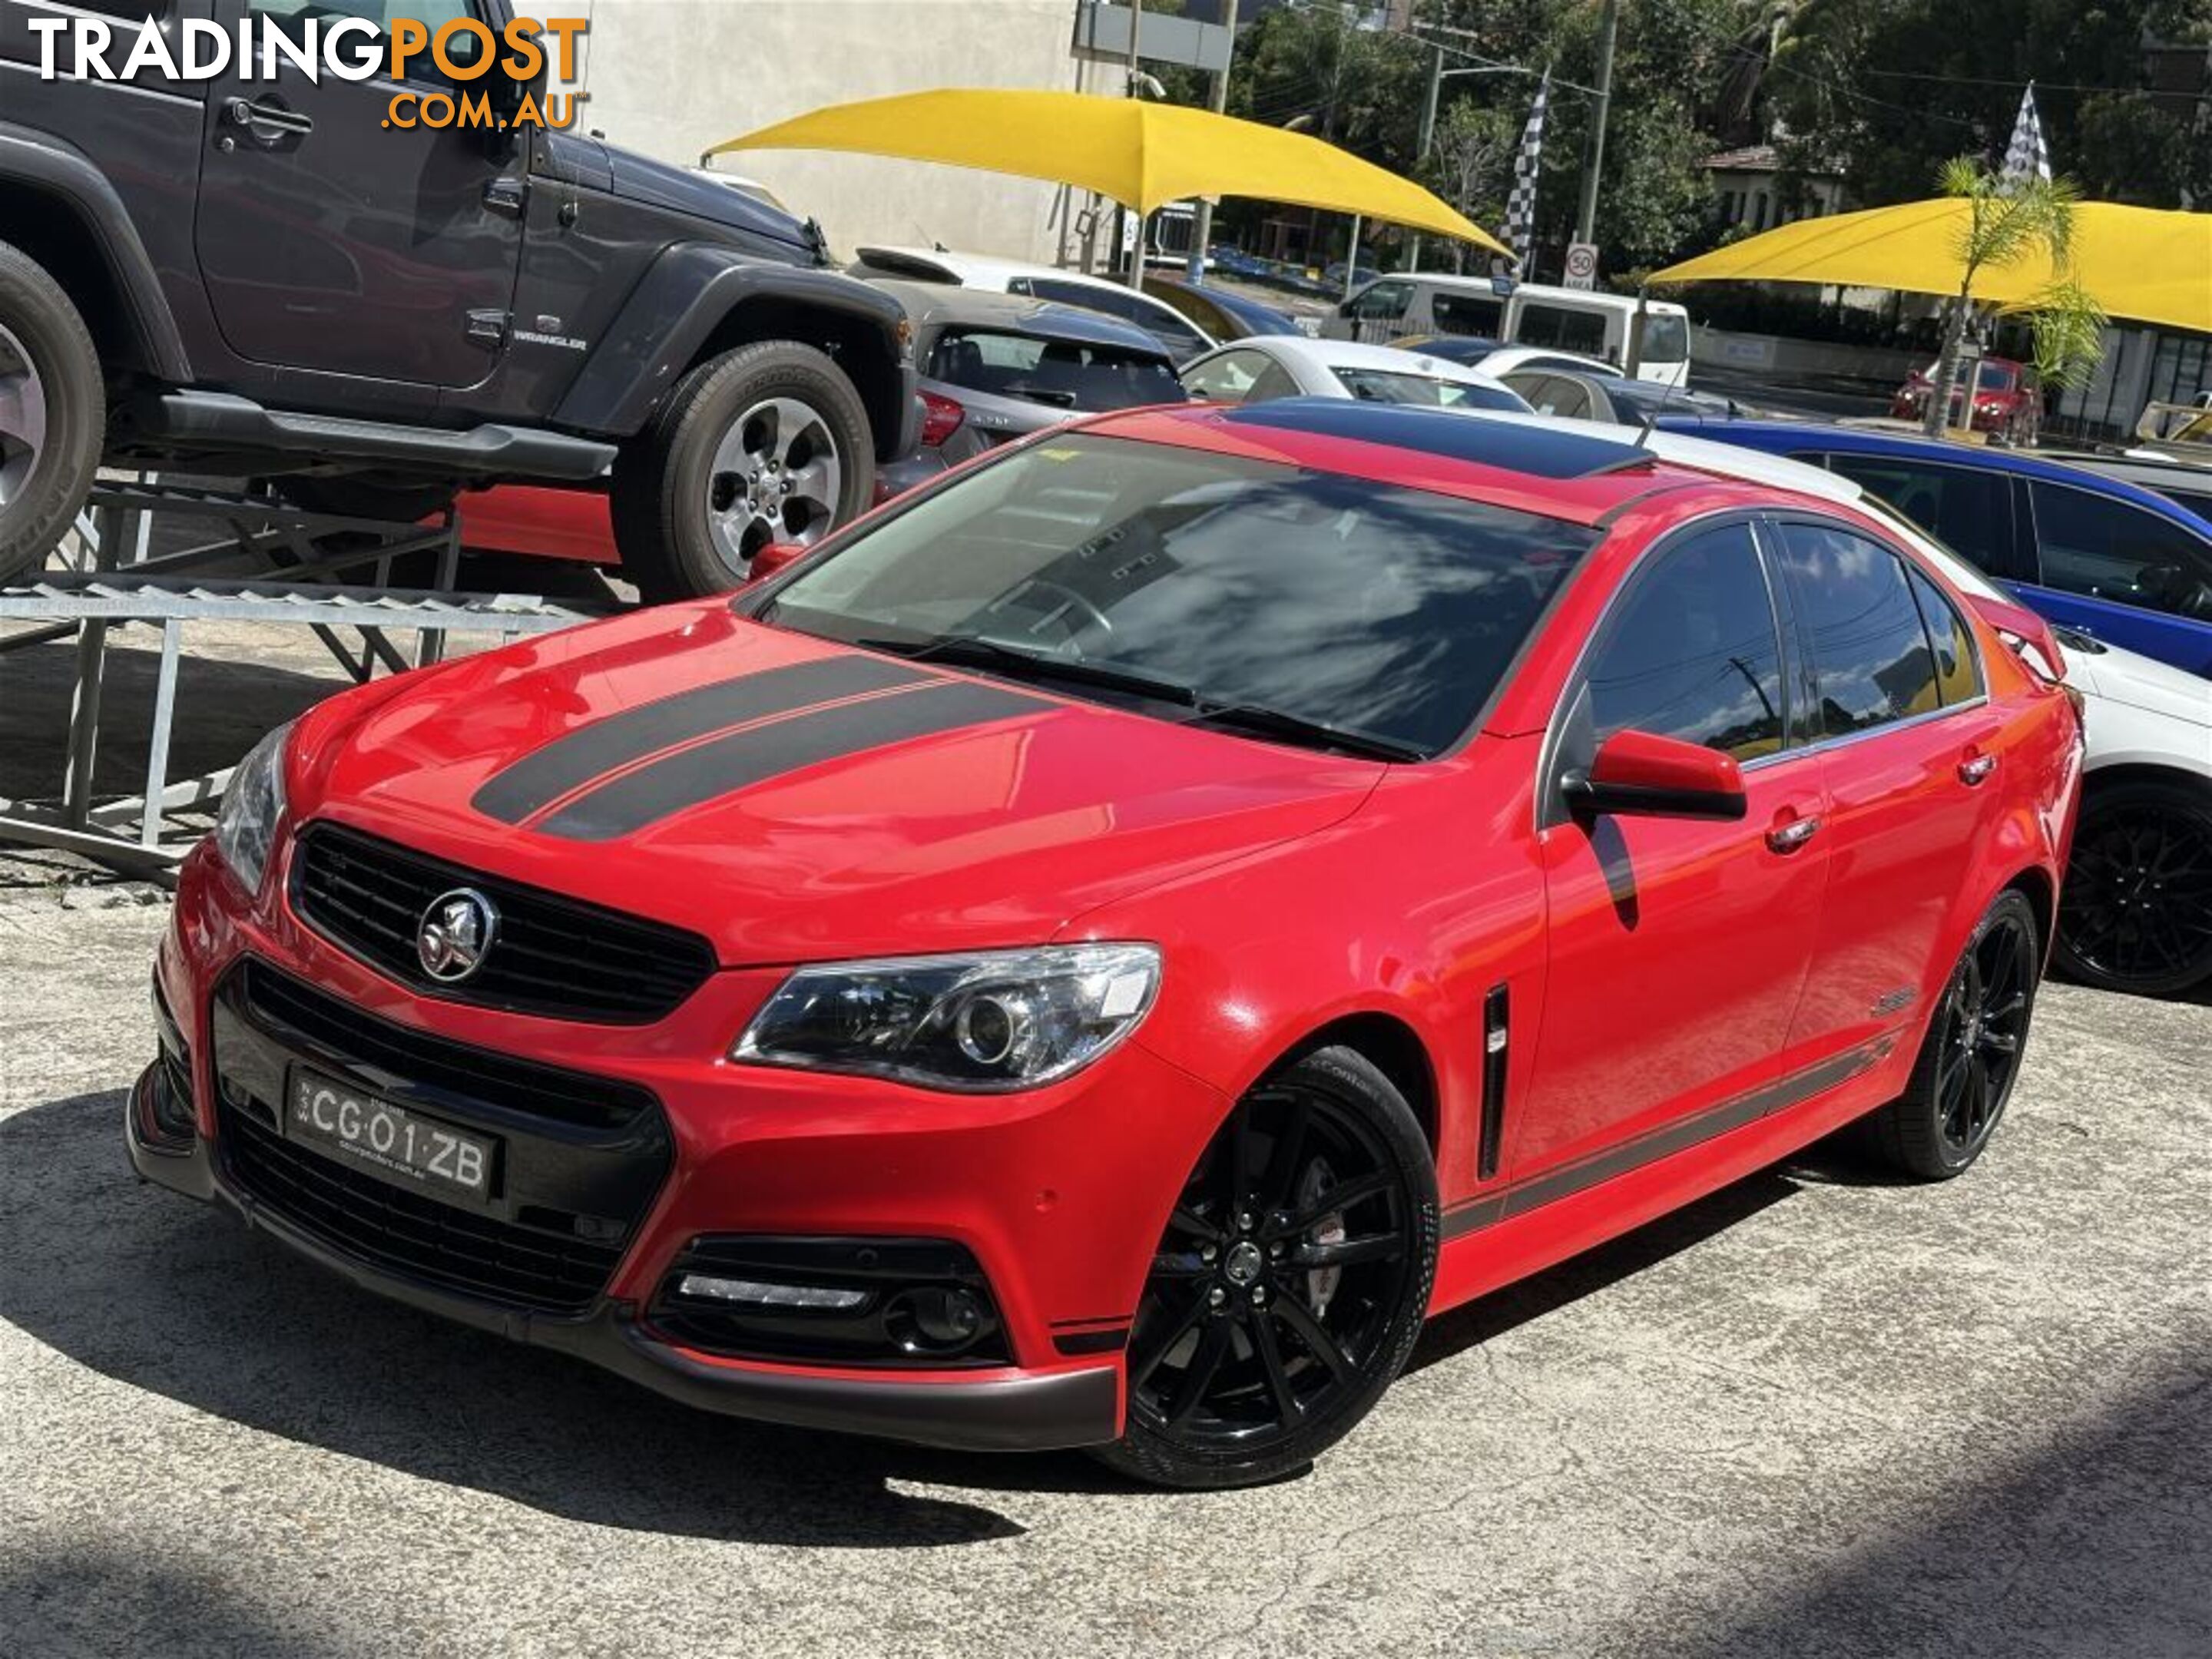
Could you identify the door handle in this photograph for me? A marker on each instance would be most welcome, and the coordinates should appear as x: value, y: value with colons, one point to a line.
x: 273, y: 118
x: 1976, y: 771
x: 1789, y: 837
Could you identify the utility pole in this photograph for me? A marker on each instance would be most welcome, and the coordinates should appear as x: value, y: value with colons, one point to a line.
x: 1136, y: 253
x: 1601, y: 106
x: 1428, y: 136
x: 1217, y: 99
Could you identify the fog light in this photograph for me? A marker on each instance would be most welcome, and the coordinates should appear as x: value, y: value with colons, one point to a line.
x: 761, y: 1295
x: 934, y: 1320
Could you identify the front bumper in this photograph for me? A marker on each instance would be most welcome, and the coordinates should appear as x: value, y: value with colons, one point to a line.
x: 1004, y: 1412
x: 1058, y: 1196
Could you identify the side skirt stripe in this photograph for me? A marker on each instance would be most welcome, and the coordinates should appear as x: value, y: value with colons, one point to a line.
x: 665, y: 787
x: 543, y: 776
x: 1662, y: 1142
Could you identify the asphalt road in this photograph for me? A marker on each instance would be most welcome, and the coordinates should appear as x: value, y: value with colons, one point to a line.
x: 1817, y: 1416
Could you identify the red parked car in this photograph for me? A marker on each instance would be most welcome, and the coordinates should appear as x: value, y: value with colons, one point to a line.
x: 2005, y: 399
x: 1095, y: 954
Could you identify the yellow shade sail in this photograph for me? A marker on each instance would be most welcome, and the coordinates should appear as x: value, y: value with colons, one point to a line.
x: 1140, y: 154
x: 2142, y: 263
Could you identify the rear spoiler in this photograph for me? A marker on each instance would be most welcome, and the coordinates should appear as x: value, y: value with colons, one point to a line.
x: 2022, y: 628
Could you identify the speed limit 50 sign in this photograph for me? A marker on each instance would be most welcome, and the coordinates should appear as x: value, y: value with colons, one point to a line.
x: 1582, y: 264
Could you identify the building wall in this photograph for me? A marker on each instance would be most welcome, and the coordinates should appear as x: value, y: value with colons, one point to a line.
x: 673, y: 77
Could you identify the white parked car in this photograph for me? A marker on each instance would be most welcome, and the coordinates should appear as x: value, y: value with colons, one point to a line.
x: 1291, y: 366
x: 2148, y: 724
x: 1183, y: 338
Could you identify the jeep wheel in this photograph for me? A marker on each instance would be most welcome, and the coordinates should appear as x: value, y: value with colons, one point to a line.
x: 767, y: 443
x: 53, y: 413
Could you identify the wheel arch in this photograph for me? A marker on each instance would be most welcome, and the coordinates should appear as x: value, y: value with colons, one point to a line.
x: 2101, y: 777
x: 2036, y: 885
x: 698, y: 300
x: 60, y: 210
x: 1392, y: 1047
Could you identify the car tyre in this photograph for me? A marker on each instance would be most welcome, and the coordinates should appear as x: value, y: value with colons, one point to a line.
x: 53, y: 412
x: 1970, y: 1059
x: 1290, y: 1284
x: 2137, y: 912
x: 766, y: 443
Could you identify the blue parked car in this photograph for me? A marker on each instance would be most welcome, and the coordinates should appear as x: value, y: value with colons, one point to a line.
x: 2091, y: 552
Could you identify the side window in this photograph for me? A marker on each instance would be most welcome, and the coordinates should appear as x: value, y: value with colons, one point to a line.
x: 1958, y: 678
x: 1968, y: 511
x: 1382, y: 302
x: 1871, y: 661
x: 1225, y: 378
x: 432, y: 15
x: 1692, y: 652
x: 2109, y: 550
x: 1466, y: 313
x: 1561, y: 328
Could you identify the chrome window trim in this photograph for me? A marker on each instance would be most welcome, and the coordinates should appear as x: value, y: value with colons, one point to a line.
x: 1821, y: 746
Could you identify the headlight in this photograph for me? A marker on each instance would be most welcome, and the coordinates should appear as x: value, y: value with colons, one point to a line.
x: 246, y: 828
x: 991, y: 1021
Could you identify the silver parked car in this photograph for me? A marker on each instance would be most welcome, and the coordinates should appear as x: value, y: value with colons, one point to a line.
x: 998, y: 367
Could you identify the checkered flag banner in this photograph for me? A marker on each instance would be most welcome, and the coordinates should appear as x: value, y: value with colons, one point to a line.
x: 1520, y: 205
x: 2027, y: 156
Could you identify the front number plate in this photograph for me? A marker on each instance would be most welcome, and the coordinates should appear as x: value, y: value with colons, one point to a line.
x: 389, y: 1141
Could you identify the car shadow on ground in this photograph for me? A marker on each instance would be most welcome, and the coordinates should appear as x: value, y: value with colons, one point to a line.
x: 167, y: 1296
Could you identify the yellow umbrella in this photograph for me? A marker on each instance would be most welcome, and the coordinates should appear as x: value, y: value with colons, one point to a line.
x: 1140, y: 154
x: 2144, y: 263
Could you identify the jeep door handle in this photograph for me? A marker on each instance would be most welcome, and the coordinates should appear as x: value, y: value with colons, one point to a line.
x: 1976, y: 772
x: 1789, y: 837
x: 274, y: 117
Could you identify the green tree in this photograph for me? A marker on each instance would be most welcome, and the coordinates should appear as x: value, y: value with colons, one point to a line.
x: 1885, y: 90
x: 2008, y: 220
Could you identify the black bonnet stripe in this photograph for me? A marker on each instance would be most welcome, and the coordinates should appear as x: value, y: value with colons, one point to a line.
x: 544, y: 775
x: 666, y: 786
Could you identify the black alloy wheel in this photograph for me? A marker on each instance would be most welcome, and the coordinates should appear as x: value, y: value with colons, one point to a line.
x: 2136, y: 915
x: 1971, y: 1057
x: 1291, y: 1282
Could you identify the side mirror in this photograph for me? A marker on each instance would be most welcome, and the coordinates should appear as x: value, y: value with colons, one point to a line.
x: 1640, y: 774
x: 774, y: 558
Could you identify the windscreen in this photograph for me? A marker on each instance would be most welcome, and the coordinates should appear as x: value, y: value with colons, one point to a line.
x: 1223, y: 582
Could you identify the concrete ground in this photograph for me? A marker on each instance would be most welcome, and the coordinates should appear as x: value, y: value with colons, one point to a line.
x: 1817, y: 1415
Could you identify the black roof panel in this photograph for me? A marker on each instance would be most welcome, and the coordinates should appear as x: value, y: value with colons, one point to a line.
x: 1541, y: 451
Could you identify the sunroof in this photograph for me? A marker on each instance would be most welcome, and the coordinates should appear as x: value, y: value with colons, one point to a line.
x: 1541, y: 451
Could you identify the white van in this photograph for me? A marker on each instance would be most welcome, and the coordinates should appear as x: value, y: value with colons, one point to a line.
x: 1527, y: 313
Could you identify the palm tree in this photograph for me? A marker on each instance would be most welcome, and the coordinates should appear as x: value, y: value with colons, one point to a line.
x: 2009, y: 219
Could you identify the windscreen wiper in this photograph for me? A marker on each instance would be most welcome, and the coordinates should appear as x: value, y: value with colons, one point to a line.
x: 1262, y: 720
x: 970, y: 651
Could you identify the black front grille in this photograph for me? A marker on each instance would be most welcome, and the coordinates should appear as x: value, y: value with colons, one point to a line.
x: 477, y: 1254
x: 289, y: 1009
x: 552, y: 956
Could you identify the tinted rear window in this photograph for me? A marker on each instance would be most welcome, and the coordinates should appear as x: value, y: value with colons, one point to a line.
x: 1666, y: 338
x: 1465, y: 313
x: 1969, y: 511
x: 1064, y: 374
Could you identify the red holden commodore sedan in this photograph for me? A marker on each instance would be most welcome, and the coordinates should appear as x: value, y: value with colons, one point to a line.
x: 1098, y: 952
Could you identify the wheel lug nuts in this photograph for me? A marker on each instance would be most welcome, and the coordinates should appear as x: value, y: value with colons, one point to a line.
x: 1208, y: 1254
x: 1216, y: 1296
x: 1244, y: 1222
x: 1259, y: 1295
x: 1275, y: 1250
